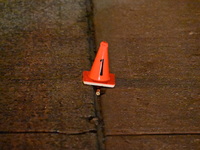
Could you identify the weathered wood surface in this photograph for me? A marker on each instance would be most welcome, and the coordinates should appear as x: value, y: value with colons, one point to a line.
x: 161, y: 142
x: 47, y: 141
x: 44, y: 50
x: 154, y: 52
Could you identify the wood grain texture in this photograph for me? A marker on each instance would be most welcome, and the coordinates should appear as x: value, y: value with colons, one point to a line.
x: 44, y: 50
x: 161, y: 142
x: 154, y: 53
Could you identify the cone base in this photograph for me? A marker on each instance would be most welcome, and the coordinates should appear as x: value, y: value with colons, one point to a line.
x: 88, y: 81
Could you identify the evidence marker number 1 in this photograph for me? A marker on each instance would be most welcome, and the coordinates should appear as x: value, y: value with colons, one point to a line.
x: 102, y: 62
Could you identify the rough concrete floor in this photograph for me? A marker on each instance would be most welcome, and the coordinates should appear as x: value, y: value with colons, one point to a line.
x: 44, y: 49
x: 154, y: 52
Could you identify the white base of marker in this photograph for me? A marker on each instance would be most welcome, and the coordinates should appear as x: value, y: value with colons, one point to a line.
x: 88, y: 81
x: 98, y: 84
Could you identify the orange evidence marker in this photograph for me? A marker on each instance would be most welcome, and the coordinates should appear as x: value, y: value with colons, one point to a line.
x: 99, y: 74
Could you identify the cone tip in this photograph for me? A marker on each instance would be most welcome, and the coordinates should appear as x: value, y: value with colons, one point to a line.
x: 103, y: 43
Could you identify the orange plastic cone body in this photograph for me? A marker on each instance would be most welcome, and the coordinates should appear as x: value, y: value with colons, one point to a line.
x: 99, y: 74
x: 100, y: 68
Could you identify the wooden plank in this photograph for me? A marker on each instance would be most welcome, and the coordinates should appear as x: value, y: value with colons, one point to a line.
x: 154, y: 52
x: 47, y: 141
x: 151, y: 109
x: 43, y: 53
x: 161, y: 142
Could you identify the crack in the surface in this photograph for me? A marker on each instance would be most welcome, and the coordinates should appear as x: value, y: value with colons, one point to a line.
x: 154, y: 134
x: 50, y: 132
x: 92, y: 50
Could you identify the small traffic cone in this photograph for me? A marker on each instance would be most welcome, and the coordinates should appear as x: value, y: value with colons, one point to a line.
x: 99, y: 74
